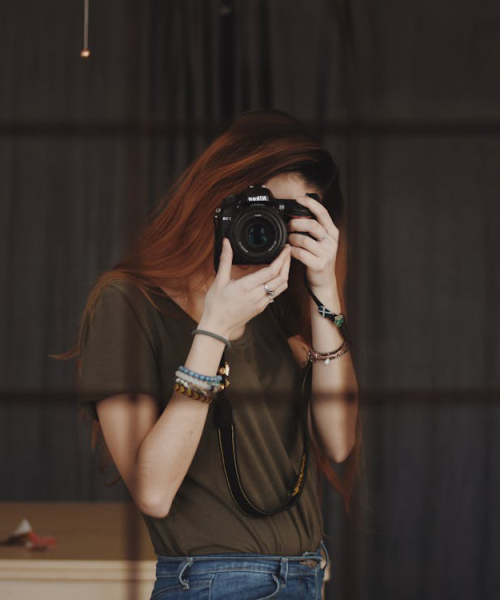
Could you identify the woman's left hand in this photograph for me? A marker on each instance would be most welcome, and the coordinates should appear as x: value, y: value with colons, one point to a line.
x: 318, y: 254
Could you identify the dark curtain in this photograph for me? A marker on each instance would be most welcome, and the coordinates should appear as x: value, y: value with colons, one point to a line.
x: 405, y: 97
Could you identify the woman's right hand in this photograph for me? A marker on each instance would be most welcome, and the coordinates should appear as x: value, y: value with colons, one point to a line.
x: 230, y: 304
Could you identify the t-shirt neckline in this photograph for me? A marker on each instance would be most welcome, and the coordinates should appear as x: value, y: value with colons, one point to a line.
x: 237, y: 342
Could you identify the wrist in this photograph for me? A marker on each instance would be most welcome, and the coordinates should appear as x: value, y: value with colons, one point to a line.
x: 214, y: 327
x: 328, y: 298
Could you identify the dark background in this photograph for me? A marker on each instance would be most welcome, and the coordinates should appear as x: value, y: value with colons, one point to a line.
x: 406, y: 96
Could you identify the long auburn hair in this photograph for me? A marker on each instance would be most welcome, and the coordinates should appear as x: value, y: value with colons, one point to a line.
x: 177, y: 239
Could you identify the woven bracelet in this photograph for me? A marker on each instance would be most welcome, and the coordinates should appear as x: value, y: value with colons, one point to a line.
x: 195, y: 394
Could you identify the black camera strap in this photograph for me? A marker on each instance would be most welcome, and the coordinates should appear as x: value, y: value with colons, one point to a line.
x: 224, y: 423
x: 337, y: 320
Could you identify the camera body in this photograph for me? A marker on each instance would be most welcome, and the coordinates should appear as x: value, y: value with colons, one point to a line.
x: 255, y: 224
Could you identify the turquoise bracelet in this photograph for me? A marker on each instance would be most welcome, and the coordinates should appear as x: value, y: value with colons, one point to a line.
x: 209, y: 378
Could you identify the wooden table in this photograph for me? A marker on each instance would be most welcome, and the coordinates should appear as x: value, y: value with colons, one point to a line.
x: 102, y: 550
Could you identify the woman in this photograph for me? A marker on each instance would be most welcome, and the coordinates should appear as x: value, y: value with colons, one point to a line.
x: 151, y: 383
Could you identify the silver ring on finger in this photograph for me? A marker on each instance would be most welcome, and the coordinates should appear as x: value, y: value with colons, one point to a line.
x: 269, y: 291
x: 324, y: 237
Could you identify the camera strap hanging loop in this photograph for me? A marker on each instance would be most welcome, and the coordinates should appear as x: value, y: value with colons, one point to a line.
x: 224, y: 423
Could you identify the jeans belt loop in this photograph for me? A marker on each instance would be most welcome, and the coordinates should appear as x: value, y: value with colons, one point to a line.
x: 185, y: 582
x: 283, y: 571
x: 327, y: 556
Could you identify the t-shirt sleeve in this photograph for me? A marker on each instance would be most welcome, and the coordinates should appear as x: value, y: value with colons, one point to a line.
x: 118, y: 351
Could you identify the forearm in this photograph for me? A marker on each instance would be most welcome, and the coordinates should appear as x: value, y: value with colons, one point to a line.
x: 169, y: 448
x: 334, y: 388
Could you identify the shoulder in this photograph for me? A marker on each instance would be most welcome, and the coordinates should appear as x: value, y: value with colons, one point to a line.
x: 121, y: 288
x: 125, y: 292
x: 121, y: 301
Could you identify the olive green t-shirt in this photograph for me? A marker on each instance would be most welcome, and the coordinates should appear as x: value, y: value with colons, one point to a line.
x: 132, y: 347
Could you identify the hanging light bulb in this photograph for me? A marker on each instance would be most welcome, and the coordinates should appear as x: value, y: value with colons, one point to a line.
x: 85, y: 53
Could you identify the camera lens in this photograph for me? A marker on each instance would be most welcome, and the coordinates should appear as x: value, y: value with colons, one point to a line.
x: 259, y: 234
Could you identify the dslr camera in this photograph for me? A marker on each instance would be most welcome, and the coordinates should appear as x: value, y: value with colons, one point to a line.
x: 255, y: 224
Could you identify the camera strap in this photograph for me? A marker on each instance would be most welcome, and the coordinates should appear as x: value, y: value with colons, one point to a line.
x: 224, y: 423
x: 337, y: 320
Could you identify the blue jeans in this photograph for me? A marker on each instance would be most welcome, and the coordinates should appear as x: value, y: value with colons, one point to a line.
x: 240, y: 576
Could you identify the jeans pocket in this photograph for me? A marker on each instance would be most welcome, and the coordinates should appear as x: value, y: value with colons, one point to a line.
x: 245, y: 585
x: 168, y: 587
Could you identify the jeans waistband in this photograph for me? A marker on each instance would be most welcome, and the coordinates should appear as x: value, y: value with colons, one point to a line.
x: 268, y: 563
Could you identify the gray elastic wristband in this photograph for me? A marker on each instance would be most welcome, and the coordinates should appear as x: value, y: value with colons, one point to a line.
x: 214, y: 335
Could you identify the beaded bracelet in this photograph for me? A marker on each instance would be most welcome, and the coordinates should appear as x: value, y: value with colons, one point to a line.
x: 201, y: 387
x: 220, y: 379
x: 210, y: 378
x: 206, y: 385
x: 193, y: 387
x: 313, y: 355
